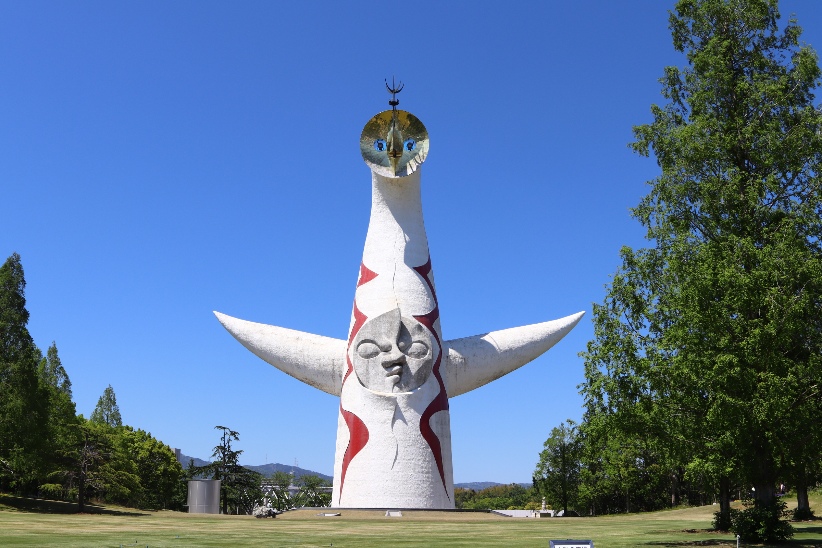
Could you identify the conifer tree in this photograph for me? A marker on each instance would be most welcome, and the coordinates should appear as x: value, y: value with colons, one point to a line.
x: 107, y: 411
x: 23, y: 403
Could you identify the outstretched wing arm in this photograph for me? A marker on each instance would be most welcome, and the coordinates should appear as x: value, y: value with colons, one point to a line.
x: 313, y: 359
x: 478, y: 360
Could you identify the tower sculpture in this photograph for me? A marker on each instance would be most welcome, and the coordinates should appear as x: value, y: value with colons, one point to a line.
x: 395, y: 373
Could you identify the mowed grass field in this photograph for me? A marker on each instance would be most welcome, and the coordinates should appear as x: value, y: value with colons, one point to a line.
x: 21, y: 524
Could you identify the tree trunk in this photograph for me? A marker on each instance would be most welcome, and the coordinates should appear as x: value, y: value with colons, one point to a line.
x: 765, y: 483
x: 674, y: 489
x: 765, y: 493
x: 803, y: 506
x: 725, y: 499
x: 81, y: 493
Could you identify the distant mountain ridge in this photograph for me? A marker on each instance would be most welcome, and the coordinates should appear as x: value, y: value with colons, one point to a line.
x: 480, y: 485
x: 268, y: 469
x: 264, y: 469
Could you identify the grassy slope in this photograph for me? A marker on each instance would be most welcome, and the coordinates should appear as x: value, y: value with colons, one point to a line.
x: 679, y: 527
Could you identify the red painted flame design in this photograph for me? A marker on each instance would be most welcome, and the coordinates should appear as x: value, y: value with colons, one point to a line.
x: 358, y: 432
x: 440, y: 403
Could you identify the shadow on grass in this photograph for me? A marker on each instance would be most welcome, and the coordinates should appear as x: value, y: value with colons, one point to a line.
x: 809, y: 543
x: 43, y: 506
x: 711, y: 542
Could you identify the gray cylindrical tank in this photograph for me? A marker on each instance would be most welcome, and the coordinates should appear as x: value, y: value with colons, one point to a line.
x: 203, y: 496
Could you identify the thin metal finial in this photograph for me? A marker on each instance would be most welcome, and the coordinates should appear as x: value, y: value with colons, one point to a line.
x: 393, y: 90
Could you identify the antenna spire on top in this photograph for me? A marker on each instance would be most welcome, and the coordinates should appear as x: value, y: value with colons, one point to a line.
x: 393, y: 90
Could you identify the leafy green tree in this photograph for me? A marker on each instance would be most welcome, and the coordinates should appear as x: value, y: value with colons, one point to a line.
x: 463, y: 498
x: 107, y: 411
x: 91, y: 449
x: 310, y: 493
x: 557, y: 474
x: 23, y: 402
x: 709, y: 341
x: 498, y: 497
x: 156, y: 467
x: 278, y: 493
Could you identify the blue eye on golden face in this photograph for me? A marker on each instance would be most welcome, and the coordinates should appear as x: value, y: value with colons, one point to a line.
x: 394, y: 143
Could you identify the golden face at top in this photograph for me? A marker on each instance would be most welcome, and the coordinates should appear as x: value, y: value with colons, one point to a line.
x: 394, y: 143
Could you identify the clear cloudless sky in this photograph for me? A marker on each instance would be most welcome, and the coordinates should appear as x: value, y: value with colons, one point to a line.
x: 160, y: 160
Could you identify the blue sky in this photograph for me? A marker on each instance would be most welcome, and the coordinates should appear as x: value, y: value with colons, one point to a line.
x: 160, y: 160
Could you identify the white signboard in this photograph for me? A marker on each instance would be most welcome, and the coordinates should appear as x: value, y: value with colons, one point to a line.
x: 572, y: 544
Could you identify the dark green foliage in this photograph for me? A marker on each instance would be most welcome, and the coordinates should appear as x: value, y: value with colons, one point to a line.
x: 15, y: 341
x: 704, y: 371
x: 760, y: 522
x: 23, y: 400
x: 45, y: 448
x: 498, y: 497
x: 240, y: 488
x: 62, y: 426
x: 722, y: 521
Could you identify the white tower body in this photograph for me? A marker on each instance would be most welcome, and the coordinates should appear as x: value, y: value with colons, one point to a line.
x: 394, y: 449
x: 395, y: 373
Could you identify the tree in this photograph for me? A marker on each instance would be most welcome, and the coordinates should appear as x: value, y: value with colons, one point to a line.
x: 557, y: 473
x: 227, y: 464
x: 53, y: 373
x: 61, y: 424
x: 501, y: 497
x: 107, y: 411
x: 709, y: 340
x: 155, y: 466
x: 311, y: 493
x: 240, y: 488
x: 23, y: 403
x: 90, y: 451
x: 278, y: 493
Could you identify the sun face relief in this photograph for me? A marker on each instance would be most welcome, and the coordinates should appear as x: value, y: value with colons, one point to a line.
x: 393, y: 354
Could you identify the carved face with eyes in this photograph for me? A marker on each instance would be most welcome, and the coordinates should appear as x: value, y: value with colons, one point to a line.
x: 394, y: 143
x: 392, y: 353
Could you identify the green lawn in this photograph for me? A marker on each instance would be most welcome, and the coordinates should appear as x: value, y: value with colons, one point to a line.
x: 23, y: 524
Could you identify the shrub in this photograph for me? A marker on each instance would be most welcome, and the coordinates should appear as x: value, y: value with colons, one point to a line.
x: 762, y: 523
x: 52, y: 491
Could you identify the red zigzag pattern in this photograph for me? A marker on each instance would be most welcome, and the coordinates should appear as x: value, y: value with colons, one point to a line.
x: 440, y: 403
x: 358, y: 432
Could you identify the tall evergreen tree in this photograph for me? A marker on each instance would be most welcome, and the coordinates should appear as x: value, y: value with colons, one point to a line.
x: 62, y: 422
x: 710, y: 339
x: 107, y: 411
x: 53, y: 373
x: 23, y: 403
x: 240, y: 488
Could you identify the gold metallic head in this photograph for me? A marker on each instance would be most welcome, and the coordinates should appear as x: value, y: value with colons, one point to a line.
x: 394, y: 143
